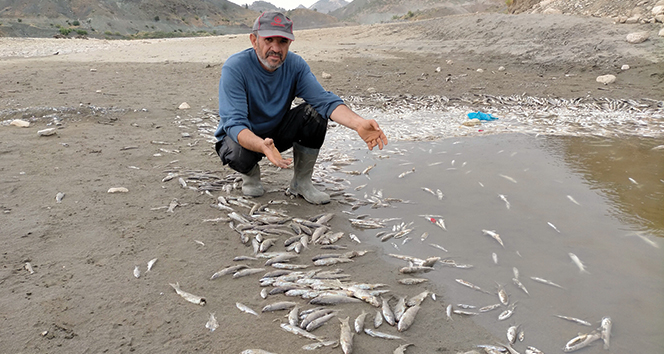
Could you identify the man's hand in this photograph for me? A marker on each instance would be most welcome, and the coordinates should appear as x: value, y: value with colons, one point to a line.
x: 371, y: 133
x: 250, y: 141
x: 367, y: 129
x: 270, y: 151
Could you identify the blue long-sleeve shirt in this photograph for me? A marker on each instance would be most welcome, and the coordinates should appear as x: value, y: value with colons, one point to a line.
x: 253, y: 98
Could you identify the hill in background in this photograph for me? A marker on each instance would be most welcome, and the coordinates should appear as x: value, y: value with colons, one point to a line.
x: 327, y: 6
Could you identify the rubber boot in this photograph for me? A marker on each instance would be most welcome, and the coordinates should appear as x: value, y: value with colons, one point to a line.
x: 304, y: 159
x: 251, y: 183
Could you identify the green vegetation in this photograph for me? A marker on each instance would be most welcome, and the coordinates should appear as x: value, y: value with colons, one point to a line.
x: 156, y: 19
x: 509, y: 2
x: 174, y: 34
x: 75, y: 23
x: 81, y: 32
x: 65, y: 31
x: 20, y: 20
x: 410, y: 14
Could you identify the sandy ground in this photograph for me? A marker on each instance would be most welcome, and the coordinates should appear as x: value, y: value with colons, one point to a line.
x: 108, y: 96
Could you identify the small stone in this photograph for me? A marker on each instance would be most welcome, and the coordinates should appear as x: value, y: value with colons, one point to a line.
x: 501, y: 68
x: 552, y: 11
x: 480, y: 70
x: 624, y: 67
x: 93, y: 70
x: 118, y: 190
x: 20, y: 123
x: 659, y: 18
x: 658, y: 10
x: 185, y: 135
x: 661, y: 32
x: 371, y: 90
x: 606, y: 79
x: 47, y: 132
x: 637, y: 37
x: 449, y: 62
x: 184, y: 105
x: 438, y: 69
x: 633, y: 19
x: 326, y: 75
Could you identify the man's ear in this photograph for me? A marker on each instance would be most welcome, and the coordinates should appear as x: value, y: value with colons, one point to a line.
x: 253, y: 39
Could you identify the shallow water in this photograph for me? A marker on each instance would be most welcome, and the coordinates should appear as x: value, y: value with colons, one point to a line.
x: 615, y: 229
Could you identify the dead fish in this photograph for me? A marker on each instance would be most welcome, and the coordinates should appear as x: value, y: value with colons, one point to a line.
x: 412, y: 281
x: 429, y: 190
x: 495, y: 236
x: 507, y: 178
x: 504, y: 199
x: 581, y: 341
x: 424, y: 236
x: 378, y: 320
x: 387, y: 313
x: 465, y: 313
x: 489, y: 308
x: 544, y: 281
x: 507, y: 313
x: 448, y: 312
x: 346, y: 336
x: 377, y: 334
x: 417, y: 299
x: 579, y: 264
x: 137, y: 272
x: 359, y: 322
x: 605, y: 331
x: 363, y: 295
x: 354, y: 238
x: 494, y: 256
x: 151, y: 264
x: 574, y: 319
x: 289, y: 266
x: 402, y: 348
x: 533, y: 350
x: 331, y: 261
x: 314, y: 346
x: 332, y: 300
x: 198, y: 300
x: 279, y: 306
x: 255, y: 351
x: 248, y: 271
x: 28, y: 267
x: 400, y: 308
x: 471, y: 285
x: 517, y: 282
x: 408, y: 318
x: 571, y: 199
x: 299, y: 331
x: 502, y: 295
x: 266, y: 244
x: 212, y: 323
x: 404, y: 174
x: 319, y: 321
x: 439, y: 194
x: 415, y: 269
x: 511, y: 333
x: 553, y: 227
x: 58, y: 197
x: 228, y: 270
x: 314, y: 315
x: 245, y: 308
x: 173, y: 204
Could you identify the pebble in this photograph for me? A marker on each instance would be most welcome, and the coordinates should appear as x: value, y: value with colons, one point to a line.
x: 637, y: 37
x: 184, y: 105
x: 501, y: 68
x: 606, y: 79
x: 480, y: 70
x: 624, y: 67
x: 661, y: 32
x: 118, y: 190
x: 20, y: 123
x: 47, y: 132
x: 326, y: 75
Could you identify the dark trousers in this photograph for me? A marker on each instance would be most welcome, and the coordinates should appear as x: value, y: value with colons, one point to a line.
x: 302, y: 125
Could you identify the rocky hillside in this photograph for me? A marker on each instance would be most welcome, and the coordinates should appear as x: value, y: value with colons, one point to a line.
x: 327, y: 6
x: 622, y: 10
x: 104, y: 18
x: 307, y: 19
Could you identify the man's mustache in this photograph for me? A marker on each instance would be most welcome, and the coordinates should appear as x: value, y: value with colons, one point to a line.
x: 272, y: 53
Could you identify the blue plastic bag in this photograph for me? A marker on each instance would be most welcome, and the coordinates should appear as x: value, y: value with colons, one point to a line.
x: 481, y: 116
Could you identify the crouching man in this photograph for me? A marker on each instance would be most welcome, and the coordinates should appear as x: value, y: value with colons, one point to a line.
x: 256, y: 89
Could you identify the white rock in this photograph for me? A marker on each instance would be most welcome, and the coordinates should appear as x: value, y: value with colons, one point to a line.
x: 659, y: 18
x: 184, y: 105
x: 371, y: 90
x: 93, y: 70
x: 438, y: 69
x: 552, y: 11
x: 633, y: 19
x: 47, y: 132
x: 502, y: 68
x: 658, y: 10
x: 637, y: 37
x: 326, y: 75
x: 624, y: 67
x: 118, y: 190
x: 20, y: 123
x: 449, y: 62
x: 661, y: 32
x: 480, y: 70
x: 606, y: 79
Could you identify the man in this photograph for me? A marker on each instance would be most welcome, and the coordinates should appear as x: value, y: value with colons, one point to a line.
x: 256, y: 89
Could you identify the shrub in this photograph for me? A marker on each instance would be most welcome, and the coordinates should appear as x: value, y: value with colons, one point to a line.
x: 76, y: 23
x: 156, y: 19
x: 108, y: 33
x: 20, y: 20
x: 65, y: 31
x: 81, y: 32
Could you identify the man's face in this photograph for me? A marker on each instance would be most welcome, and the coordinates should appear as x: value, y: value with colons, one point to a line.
x: 271, y: 51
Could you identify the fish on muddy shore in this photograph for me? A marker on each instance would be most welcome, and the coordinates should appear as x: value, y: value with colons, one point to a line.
x: 378, y: 334
x: 402, y: 348
x: 198, y: 300
x: 300, y: 332
x: 279, y: 306
x: 408, y: 318
x: 359, y: 322
x: 471, y: 285
x: 495, y: 236
x: 245, y: 308
x: 212, y: 323
x: 412, y: 281
x: 346, y: 336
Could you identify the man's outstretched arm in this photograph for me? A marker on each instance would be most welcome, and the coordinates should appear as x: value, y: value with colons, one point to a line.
x: 250, y: 141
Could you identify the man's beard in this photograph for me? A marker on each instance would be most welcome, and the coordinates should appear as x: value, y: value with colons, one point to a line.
x: 267, y: 64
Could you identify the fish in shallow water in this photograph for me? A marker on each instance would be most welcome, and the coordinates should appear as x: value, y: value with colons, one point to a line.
x: 579, y: 264
x: 605, y: 331
x: 581, y: 341
x: 544, y: 281
x: 495, y: 236
x: 574, y: 319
